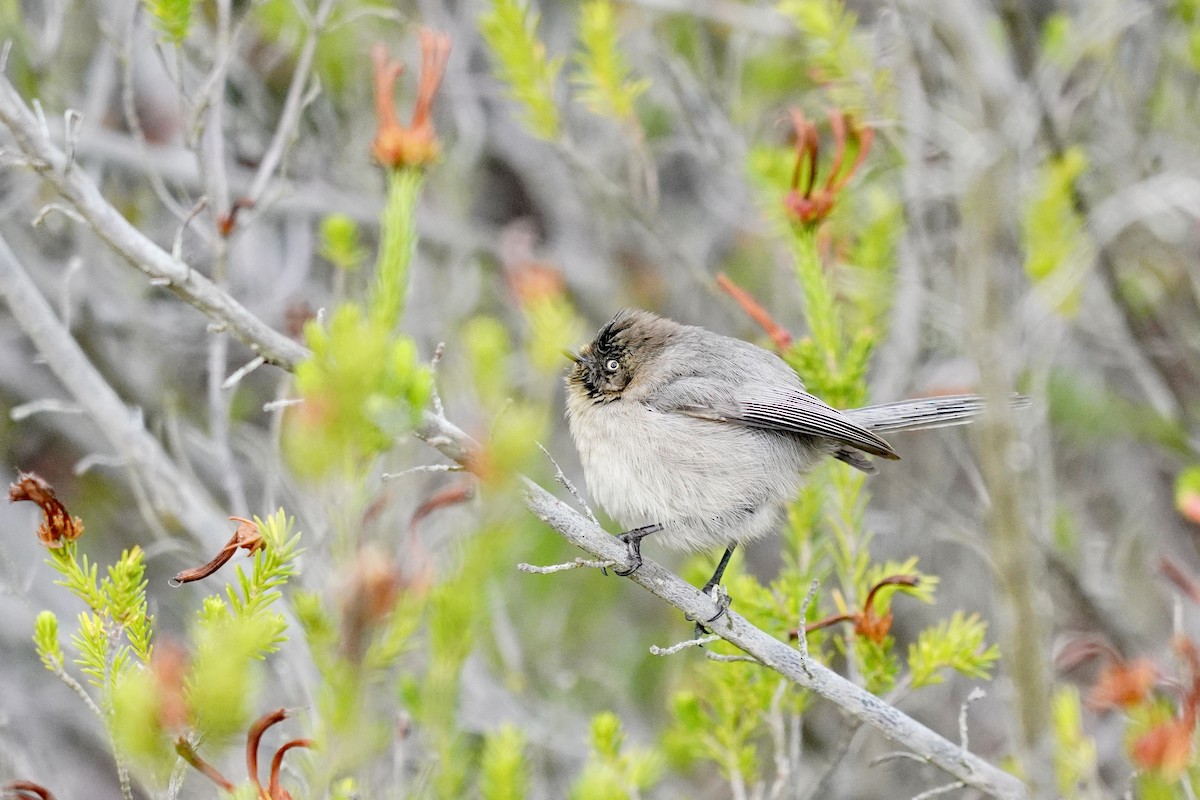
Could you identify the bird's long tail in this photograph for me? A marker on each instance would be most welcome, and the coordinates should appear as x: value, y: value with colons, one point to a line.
x: 929, y: 412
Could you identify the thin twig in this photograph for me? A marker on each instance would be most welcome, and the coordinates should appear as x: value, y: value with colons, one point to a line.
x: 134, y: 120
x: 391, y: 476
x: 724, y: 657
x: 976, y: 694
x: 284, y: 402
x: 48, y: 405
x: 775, y: 720
x: 46, y: 210
x: 76, y: 687
x: 293, y: 105
x: 579, y: 563
x: 896, y: 755
x: 177, y: 245
x: 436, y: 396
x: 685, y: 644
x: 949, y: 787
x: 561, y: 477
x: 236, y: 376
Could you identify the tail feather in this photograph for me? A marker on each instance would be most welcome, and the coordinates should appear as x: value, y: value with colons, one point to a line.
x: 929, y: 412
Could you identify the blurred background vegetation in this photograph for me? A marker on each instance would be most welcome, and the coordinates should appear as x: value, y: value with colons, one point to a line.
x: 919, y: 198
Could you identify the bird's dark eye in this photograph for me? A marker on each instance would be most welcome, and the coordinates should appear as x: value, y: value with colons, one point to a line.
x: 612, y: 365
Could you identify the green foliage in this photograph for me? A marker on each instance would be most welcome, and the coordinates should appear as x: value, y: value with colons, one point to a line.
x: 225, y: 670
x: 956, y: 643
x: 45, y: 640
x: 821, y: 313
x: 489, y: 350
x: 1058, y: 249
x: 553, y: 327
x: 518, y: 423
x: 229, y: 637
x: 1074, y: 751
x: 603, y: 75
x: 725, y: 718
x: 612, y: 770
x: 836, y: 52
x: 510, y: 30
x: 80, y: 576
x: 727, y: 710
x: 924, y: 589
x: 361, y: 388
x: 452, y: 613
x: 503, y: 771
x: 399, y: 242
x: 91, y: 641
x: 172, y: 18
x: 272, y: 567
x: 340, y: 244
x: 1056, y: 35
x: 873, y: 222
x: 1087, y: 412
x: 137, y: 724
x: 351, y: 730
x: 877, y: 662
x: 116, y: 624
x: 363, y: 385
x: 125, y: 591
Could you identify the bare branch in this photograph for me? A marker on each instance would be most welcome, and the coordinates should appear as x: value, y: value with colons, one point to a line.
x: 81, y: 192
x: 173, y: 494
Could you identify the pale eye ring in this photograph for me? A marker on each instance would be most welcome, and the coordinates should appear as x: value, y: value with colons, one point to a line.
x: 612, y: 365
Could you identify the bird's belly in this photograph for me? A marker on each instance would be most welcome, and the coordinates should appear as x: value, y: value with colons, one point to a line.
x: 708, y: 483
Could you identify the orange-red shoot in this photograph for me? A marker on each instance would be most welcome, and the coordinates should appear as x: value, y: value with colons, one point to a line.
x: 808, y: 204
x: 416, y: 145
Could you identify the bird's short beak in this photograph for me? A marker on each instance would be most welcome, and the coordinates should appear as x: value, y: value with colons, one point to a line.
x: 573, y: 356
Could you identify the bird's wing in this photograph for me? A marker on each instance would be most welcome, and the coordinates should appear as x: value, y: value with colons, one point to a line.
x: 768, y: 406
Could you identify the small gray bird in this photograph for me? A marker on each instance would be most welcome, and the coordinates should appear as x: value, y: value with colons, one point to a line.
x: 704, y: 439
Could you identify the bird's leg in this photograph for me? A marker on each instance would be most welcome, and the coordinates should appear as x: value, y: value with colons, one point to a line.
x: 720, y: 571
x: 633, y: 542
x: 722, y: 598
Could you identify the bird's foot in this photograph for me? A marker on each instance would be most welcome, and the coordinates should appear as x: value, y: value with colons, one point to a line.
x: 633, y: 545
x: 723, y: 601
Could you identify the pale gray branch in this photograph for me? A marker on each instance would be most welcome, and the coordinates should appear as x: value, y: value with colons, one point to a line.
x: 174, y: 495
x: 79, y: 190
